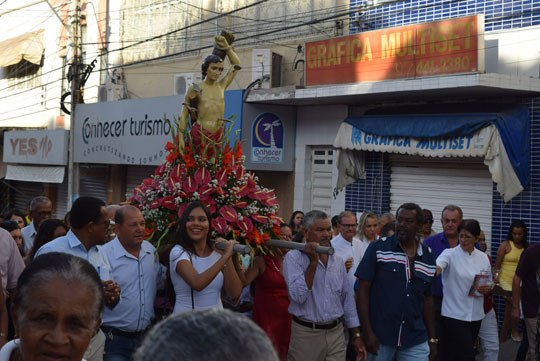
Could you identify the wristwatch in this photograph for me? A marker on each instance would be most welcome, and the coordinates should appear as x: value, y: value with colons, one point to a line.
x: 356, y: 335
x: 433, y: 340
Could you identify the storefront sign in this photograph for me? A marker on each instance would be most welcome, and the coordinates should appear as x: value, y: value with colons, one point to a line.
x: 267, y: 139
x: 36, y: 147
x: 473, y: 145
x: 443, y: 47
x: 133, y: 131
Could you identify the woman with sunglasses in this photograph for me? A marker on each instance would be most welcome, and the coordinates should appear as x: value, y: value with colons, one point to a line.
x: 427, y: 231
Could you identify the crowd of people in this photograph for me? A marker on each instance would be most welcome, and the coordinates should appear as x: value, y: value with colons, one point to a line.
x: 90, y: 287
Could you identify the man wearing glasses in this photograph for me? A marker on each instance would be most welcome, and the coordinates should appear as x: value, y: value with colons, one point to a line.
x: 347, y: 246
x: 89, y: 225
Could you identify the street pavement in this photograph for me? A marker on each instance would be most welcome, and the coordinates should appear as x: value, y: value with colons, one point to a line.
x: 507, y: 351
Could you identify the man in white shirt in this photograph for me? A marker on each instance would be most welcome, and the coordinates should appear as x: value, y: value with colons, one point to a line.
x: 40, y: 210
x: 346, y: 245
x: 137, y: 272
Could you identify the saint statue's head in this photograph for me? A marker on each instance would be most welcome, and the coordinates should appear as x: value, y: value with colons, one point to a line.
x: 207, y: 61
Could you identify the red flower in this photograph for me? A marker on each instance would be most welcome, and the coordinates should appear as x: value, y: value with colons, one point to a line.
x: 168, y: 202
x: 238, y: 153
x: 220, y: 225
x: 202, y: 176
x: 245, y: 224
x: 256, y: 216
x: 221, y: 176
x: 189, y: 185
x: 229, y: 213
x: 181, y: 209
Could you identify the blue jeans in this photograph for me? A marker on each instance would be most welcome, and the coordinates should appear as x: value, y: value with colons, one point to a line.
x: 419, y: 352
x: 119, y: 348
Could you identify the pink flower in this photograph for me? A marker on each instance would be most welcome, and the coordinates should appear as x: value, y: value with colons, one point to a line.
x: 202, y: 176
x: 256, y: 216
x: 210, y: 203
x: 229, y: 213
x: 270, y: 202
x: 250, y: 181
x: 258, y: 194
x: 245, y: 224
x: 240, y: 172
x: 189, y: 185
x: 205, y: 191
x: 220, y: 191
x: 220, y: 225
x: 155, y: 204
x: 161, y: 169
x: 221, y: 177
x: 240, y: 204
x: 178, y: 172
x: 167, y: 202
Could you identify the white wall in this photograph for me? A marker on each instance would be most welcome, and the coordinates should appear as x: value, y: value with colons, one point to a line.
x: 513, y: 52
x: 315, y: 125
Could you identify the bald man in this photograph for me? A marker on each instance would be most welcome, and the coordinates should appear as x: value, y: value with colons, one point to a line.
x: 138, y: 273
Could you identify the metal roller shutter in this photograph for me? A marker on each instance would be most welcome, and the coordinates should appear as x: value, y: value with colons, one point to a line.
x: 24, y: 192
x: 433, y: 183
x: 135, y: 176
x: 94, y: 181
x: 61, y: 199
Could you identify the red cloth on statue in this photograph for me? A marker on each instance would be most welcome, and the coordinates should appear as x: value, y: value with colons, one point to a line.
x: 195, y: 133
x: 271, y: 305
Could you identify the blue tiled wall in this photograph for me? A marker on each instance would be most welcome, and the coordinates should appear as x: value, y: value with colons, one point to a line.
x: 499, y: 14
x: 373, y: 193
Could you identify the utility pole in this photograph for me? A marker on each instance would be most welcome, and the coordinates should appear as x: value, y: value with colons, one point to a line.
x: 76, y: 97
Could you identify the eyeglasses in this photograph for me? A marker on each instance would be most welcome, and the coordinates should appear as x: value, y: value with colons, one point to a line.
x: 349, y: 225
x: 107, y: 223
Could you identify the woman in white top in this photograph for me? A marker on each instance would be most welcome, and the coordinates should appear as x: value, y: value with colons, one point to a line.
x: 368, y: 227
x: 463, y: 298
x: 199, y: 272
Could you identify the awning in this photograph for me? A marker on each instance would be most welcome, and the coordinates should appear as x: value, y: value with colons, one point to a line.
x: 502, y: 139
x: 30, y: 173
x: 28, y: 46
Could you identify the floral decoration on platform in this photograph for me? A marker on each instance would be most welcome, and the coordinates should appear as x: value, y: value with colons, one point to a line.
x: 240, y: 208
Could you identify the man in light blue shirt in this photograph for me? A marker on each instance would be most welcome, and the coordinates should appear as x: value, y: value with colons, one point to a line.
x: 321, y: 298
x: 89, y: 224
x: 40, y: 210
x: 138, y: 273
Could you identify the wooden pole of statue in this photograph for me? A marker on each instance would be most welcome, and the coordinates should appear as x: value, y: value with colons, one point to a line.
x: 294, y: 245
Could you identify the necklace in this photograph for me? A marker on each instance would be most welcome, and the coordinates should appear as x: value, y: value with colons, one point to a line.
x: 274, y: 264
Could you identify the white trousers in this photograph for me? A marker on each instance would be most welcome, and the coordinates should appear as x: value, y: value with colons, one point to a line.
x: 489, y: 336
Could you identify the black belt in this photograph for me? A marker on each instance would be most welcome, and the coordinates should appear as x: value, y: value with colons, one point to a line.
x: 121, y: 333
x: 315, y: 325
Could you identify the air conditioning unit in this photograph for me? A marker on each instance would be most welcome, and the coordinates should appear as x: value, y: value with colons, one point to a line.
x: 110, y: 92
x: 266, y: 65
x: 183, y: 81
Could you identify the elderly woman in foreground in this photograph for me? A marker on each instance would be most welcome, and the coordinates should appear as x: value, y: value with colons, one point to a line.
x: 206, y: 335
x: 56, y: 309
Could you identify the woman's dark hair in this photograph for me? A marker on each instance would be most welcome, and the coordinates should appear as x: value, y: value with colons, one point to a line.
x: 291, y: 222
x: 45, y: 234
x: 58, y: 265
x: 517, y: 223
x: 18, y: 213
x: 9, y: 225
x: 181, y: 231
x: 470, y: 225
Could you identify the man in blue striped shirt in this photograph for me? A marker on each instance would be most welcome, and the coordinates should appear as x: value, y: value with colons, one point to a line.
x: 394, y: 297
x: 321, y: 298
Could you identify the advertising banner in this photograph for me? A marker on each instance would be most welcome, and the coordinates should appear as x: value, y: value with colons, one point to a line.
x: 46, y: 147
x: 443, y: 47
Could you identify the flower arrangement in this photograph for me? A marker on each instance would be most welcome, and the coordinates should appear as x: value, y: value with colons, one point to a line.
x: 240, y: 208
